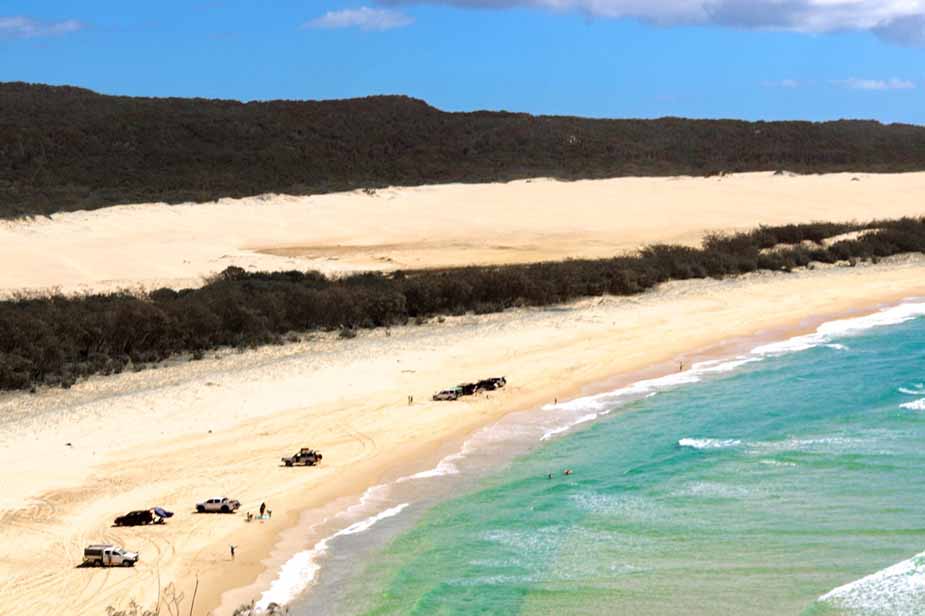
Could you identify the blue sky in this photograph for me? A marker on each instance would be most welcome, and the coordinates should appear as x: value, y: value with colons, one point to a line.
x: 753, y: 59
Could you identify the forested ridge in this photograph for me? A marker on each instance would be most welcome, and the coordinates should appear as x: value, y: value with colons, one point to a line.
x: 65, y: 148
x: 54, y: 340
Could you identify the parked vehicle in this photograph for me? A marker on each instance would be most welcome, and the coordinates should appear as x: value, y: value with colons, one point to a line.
x: 470, y: 389
x: 138, y: 518
x: 304, y: 457
x: 467, y: 389
x: 218, y: 505
x: 448, y: 394
x: 109, y: 556
x: 493, y: 383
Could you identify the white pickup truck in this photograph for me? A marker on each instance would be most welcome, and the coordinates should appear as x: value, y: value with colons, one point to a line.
x: 109, y: 556
x: 218, y: 505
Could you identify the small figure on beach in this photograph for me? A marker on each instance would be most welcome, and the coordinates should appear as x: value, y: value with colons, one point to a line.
x: 263, y: 509
x: 549, y: 476
x: 250, y: 516
x: 681, y: 366
x: 410, y: 400
x: 555, y: 401
x: 269, y: 513
x: 233, y: 547
x: 568, y: 471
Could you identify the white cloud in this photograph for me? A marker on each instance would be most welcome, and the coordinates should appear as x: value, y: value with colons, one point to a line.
x: 783, y: 83
x: 364, y: 18
x: 901, y: 21
x: 26, y: 27
x: 875, y: 84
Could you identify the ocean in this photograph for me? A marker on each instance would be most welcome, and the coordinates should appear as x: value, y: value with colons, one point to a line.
x: 788, y: 480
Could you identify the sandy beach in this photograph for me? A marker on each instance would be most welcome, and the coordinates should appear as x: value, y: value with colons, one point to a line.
x: 74, y: 459
x: 152, y: 245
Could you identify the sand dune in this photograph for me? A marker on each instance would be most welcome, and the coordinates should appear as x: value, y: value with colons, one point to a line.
x: 430, y: 226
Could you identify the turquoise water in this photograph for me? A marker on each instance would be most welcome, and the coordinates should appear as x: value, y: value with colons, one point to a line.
x: 756, y: 491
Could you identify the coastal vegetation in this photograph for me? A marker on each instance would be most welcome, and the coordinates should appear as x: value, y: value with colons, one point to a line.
x: 56, y: 339
x: 65, y: 148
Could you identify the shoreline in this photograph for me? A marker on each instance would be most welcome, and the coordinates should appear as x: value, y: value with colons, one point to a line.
x: 308, y: 535
x: 174, y: 435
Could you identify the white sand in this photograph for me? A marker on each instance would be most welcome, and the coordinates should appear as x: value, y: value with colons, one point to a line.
x: 144, y: 439
x: 160, y: 245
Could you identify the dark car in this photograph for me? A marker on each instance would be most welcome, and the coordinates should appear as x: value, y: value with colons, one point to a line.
x: 493, y: 383
x: 137, y: 518
x: 468, y: 389
x: 304, y: 457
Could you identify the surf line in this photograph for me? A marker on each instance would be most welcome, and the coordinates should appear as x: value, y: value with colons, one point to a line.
x: 300, y: 570
x: 598, y: 405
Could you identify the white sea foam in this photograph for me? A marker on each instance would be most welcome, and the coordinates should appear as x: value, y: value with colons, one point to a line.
x: 711, y: 489
x: 917, y: 405
x: 374, y: 494
x: 821, y: 443
x: 916, y: 390
x: 822, y: 336
x: 843, y: 327
x: 777, y: 463
x: 548, y: 434
x: 897, y: 590
x: 300, y: 570
x: 709, y: 443
x: 444, y: 468
x: 648, y: 387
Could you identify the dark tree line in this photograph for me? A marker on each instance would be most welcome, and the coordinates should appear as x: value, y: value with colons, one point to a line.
x: 56, y: 339
x: 64, y: 148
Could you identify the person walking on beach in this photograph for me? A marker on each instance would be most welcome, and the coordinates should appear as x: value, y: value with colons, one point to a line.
x: 263, y: 509
x: 410, y: 400
x: 232, y: 547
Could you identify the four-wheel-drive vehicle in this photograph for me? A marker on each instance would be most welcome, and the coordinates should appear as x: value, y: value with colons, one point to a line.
x: 493, y: 383
x: 218, y: 505
x: 109, y: 556
x: 305, y: 457
x: 138, y: 518
x: 467, y: 389
x: 448, y: 394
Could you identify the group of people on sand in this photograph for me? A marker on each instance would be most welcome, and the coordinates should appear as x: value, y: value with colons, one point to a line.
x: 265, y: 513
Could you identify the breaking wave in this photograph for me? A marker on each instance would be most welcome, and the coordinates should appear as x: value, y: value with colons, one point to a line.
x: 300, y: 570
x: 898, y: 590
x: 709, y: 443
